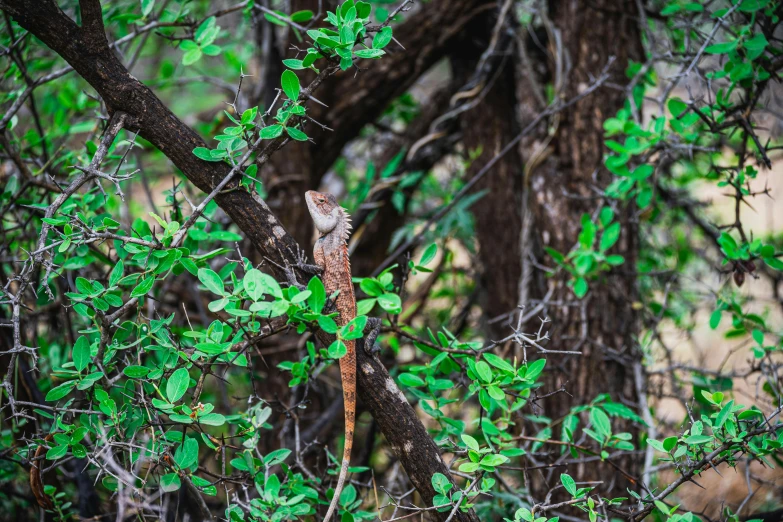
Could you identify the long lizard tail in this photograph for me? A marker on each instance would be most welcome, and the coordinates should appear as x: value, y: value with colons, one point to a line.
x: 348, y: 374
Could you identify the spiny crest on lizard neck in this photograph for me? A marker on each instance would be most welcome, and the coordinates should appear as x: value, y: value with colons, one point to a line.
x: 327, y: 214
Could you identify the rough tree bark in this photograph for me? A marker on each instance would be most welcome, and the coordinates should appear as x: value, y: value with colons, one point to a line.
x: 86, y: 49
x: 604, y: 324
x: 488, y: 127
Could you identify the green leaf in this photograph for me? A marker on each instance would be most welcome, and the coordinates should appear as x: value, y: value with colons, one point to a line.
x: 302, y: 16
x: 271, y: 132
x: 290, y: 84
x: 715, y: 318
x: 610, y: 236
x: 354, y: 329
x: 170, y: 482
x: 382, y: 38
x: 391, y: 303
x: 277, y: 456
x: 57, y: 452
x: 496, y: 393
x: 337, y: 349
x: 143, y: 287
x: 410, y: 380
x: 483, y: 371
x: 697, y: 439
x: 192, y: 56
x: 146, y: 7
x: 79, y: 451
x: 723, y: 414
x: 469, y: 467
x: 271, y: 286
x: 721, y: 48
x: 534, y: 369
x: 371, y: 287
x: 212, y: 281
x: 294, y: 64
x: 205, y: 154
x: 57, y: 393
x: 177, y: 385
x: 470, y: 442
x: 429, y: 253
x: 441, y: 483
x: 580, y: 287
x: 493, y: 460
x: 116, y: 273
x: 212, y: 419
x: 136, y: 372
x: 188, y: 45
x: 275, y: 20
x: 317, y: 298
x: 296, y: 134
x: 365, y: 306
x: 211, y: 50
x: 81, y: 353
x: 749, y: 413
x: 497, y: 362
x: 369, y: 53
x: 205, y: 28
x: 187, y: 453
x: 327, y: 324
x: 253, y: 284
x: 677, y: 107
x: 363, y: 10
x: 600, y: 421
x: 568, y: 483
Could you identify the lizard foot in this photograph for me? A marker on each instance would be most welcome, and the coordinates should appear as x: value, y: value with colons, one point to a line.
x: 304, y: 266
x: 290, y: 276
x: 372, y: 330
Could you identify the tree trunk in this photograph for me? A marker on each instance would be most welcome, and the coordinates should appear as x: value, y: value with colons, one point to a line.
x: 603, y: 325
x: 487, y: 128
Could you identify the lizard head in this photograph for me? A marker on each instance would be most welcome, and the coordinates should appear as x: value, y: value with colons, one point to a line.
x: 325, y: 211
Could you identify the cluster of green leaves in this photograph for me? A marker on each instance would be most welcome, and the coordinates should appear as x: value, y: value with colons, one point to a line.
x: 588, y: 260
x: 729, y: 425
x: 349, y: 22
x: 61, y: 507
x: 447, y: 496
x: 696, y: 143
x: 292, y: 497
x: 747, y: 252
x: 201, y: 44
x: 346, y: 40
x: 139, y: 382
x: 380, y: 291
x: 501, y: 387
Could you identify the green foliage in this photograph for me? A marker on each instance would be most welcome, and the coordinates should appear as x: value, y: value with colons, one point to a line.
x: 145, y: 323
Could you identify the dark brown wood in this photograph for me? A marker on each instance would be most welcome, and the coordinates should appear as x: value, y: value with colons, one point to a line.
x: 487, y: 128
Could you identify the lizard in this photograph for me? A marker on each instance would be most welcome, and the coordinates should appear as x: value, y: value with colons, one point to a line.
x: 331, y: 257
